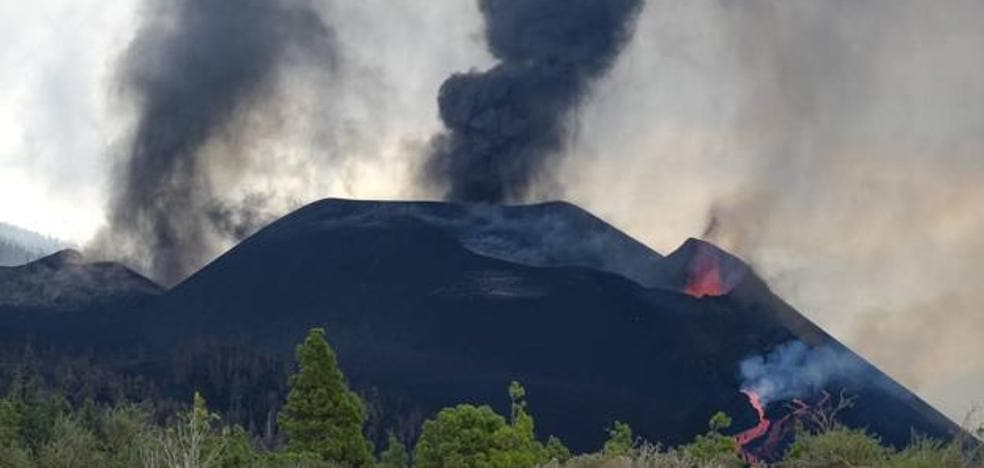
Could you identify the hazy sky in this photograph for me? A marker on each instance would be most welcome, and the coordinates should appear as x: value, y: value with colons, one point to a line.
x: 839, y: 144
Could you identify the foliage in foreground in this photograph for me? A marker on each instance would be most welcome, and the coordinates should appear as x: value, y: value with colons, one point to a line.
x: 322, y: 425
x: 322, y: 416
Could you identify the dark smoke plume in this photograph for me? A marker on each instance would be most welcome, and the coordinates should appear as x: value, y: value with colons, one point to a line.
x: 504, y: 124
x: 194, y: 67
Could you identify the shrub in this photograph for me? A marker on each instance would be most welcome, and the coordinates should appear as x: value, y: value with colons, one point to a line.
x: 928, y: 453
x: 395, y: 455
x: 714, y: 448
x: 463, y: 436
x: 71, y: 446
x: 470, y: 436
x: 837, y: 447
x: 619, y: 440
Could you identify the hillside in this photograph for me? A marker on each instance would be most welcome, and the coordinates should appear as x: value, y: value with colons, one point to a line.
x: 417, y: 312
x: 433, y: 304
x: 19, y: 246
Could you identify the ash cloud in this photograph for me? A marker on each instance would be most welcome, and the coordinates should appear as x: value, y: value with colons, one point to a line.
x: 201, y: 75
x: 794, y: 370
x: 505, y: 124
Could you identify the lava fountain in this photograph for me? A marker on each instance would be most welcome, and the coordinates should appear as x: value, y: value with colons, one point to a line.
x: 704, y: 278
x: 705, y: 270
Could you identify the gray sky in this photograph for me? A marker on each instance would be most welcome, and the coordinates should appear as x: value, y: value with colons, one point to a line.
x: 839, y: 144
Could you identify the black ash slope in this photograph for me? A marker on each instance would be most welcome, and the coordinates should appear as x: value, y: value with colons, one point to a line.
x: 422, y: 321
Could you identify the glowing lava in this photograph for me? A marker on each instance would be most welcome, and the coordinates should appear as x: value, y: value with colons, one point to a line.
x: 704, y: 277
x: 744, y: 437
x: 699, y: 269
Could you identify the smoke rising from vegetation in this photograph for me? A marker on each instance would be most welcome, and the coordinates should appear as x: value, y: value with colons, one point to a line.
x: 506, y: 123
x: 837, y: 145
x: 195, y: 71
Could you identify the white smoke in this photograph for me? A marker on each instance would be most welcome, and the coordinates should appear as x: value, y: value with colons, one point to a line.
x: 794, y: 370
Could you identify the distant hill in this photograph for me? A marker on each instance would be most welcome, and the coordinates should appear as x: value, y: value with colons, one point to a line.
x: 434, y: 304
x: 19, y: 246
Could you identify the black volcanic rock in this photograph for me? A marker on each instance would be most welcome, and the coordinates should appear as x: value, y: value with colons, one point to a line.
x: 546, y: 234
x: 65, y: 304
x: 433, y: 304
x: 65, y: 281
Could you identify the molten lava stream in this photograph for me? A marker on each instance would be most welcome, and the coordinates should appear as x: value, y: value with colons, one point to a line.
x: 744, y: 437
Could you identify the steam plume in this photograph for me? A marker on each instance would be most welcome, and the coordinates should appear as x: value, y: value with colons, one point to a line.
x: 793, y: 370
x: 193, y: 70
x: 504, y: 124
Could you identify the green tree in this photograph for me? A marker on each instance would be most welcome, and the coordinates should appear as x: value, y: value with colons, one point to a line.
x: 714, y: 448
x: 125, y: 434
x: 556, y: 450
x: 72, y: 445
x: 463, y: 436
x: 518, y: 441
x: 191, y: 442
x: 235, y: 448
x: 322, y: 415
x: 12, y: 452
x: 293, y: 460
x: 10, y: 423
x: 619, y: 441
x: 470, y: 436
x: 395, y: 455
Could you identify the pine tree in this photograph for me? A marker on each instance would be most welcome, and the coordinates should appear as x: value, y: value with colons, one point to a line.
x: 322, y: 416
x: 395, y: 455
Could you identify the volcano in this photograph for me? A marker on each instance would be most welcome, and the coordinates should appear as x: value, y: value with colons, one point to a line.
x: 434, y: 304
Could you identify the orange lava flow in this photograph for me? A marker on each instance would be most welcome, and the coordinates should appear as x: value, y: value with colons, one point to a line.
x: 705, y: 279
x: 744, y: 437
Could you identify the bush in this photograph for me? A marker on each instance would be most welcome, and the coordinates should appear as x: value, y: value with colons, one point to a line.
x: 556, y: 450
x: 619, y: 440
x: 124, y: 431
x: 463, y: 436
x: 714, y: 448
x: 470, y: 436
x: 395, y: 455
x: 71, y: 446
x: 837, y: 447
x: 928, y: 453
x: 13, y: 456
x: 294, y: 460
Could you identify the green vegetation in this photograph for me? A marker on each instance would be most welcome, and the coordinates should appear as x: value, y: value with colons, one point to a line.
x: 714, y: 448
x: 620, y: 441
x: 395, y: 455
x: 322, y: 416
x: 470, y: 436
x: 323, y: 424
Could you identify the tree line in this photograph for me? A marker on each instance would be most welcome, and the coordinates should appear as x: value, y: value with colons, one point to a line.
x: 322, y: 423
